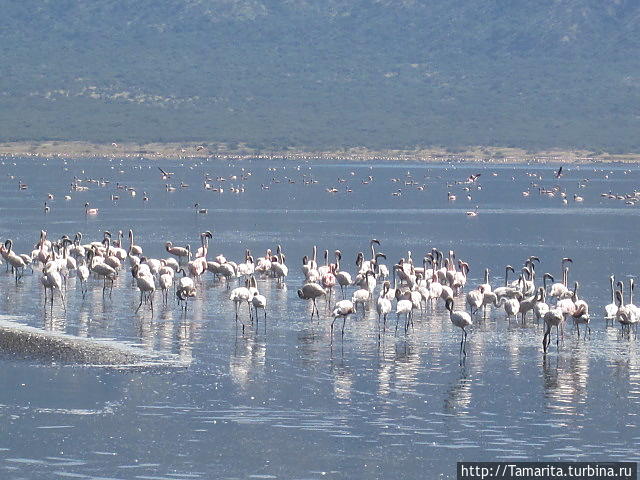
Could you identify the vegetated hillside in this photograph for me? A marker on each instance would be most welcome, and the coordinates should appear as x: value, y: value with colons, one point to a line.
x: 385, y: 73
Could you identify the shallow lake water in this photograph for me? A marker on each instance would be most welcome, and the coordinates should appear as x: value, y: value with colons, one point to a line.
x: 280, y: 400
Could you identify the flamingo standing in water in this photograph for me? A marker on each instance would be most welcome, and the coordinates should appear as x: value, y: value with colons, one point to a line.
x: 611, y: 309
x: 328, y: 281
x: 343, y: 309
x: 342, y: 277
x: 146, y: 285
x: 259, y: 301
x: 311, y: 291
x: 185, y: 289
x: 553, y: 318
x: 52, y: 280
x: 461, y: 320
x: 240, y: 295
x: 133, y: 249
x: 383, y: 306
x: 16, y: 261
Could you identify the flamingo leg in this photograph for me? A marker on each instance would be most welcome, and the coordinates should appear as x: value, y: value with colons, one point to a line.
x: 140, y: 304
x: 334, y: 321
x: 464, y: 348
x: 64, y: 307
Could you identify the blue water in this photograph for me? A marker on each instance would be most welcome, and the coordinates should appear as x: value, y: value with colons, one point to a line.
x: 281, y: 401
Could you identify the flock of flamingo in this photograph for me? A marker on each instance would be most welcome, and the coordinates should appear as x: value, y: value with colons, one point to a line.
x: 413, y: 286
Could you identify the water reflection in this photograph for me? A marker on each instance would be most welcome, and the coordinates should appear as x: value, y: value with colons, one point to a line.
x: 565, y: 380
x: 247, y: 361
x: 458, y: 399
x: 342, y: 381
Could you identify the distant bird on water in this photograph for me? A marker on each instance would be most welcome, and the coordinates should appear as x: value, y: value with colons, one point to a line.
x: 203, y: 211
x: 165, y: 175
x: 559, y: 172
x: 473, y: 178
x: 90, y: 211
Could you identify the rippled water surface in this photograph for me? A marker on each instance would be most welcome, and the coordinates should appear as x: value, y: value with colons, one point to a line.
x: 280, y: 401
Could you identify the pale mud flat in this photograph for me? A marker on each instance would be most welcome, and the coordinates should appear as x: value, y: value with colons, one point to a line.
x: 49, y: 346
x: 203, y: 149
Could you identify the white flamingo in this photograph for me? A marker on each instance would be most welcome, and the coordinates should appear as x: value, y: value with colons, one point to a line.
x: 511, y: 306
x: 553, y: 318
x: 404, y: 306
x: 51, y: 279
x: 90, y: 211
x: 475, y: 299
x: 611, y: 309
x: 362, y: 297
x: 259, y: 301
x: 328, y: 281
x: 540, y: 308
x: 83, y: 275
x: 580, y: 311
x: 383, y: 306
x: 241, y: 295
x: 181, y: 253
x: 343, y: 309
x: 146, y: 286
x: 311, y: 291
x: 279, y: 269
x: 185, y: 289
x: 461, y: 320
x: 133, y: 248
x: 102, y: 270
x: 166, y: 282
x: 505, y: 290
x: 342, y: 277
x: 625, y: 316
x: 16, y: 261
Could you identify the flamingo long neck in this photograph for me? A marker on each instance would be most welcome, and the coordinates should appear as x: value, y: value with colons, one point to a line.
x: 613, y: 298
x: 204, y: 246
x: 621, y: 293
